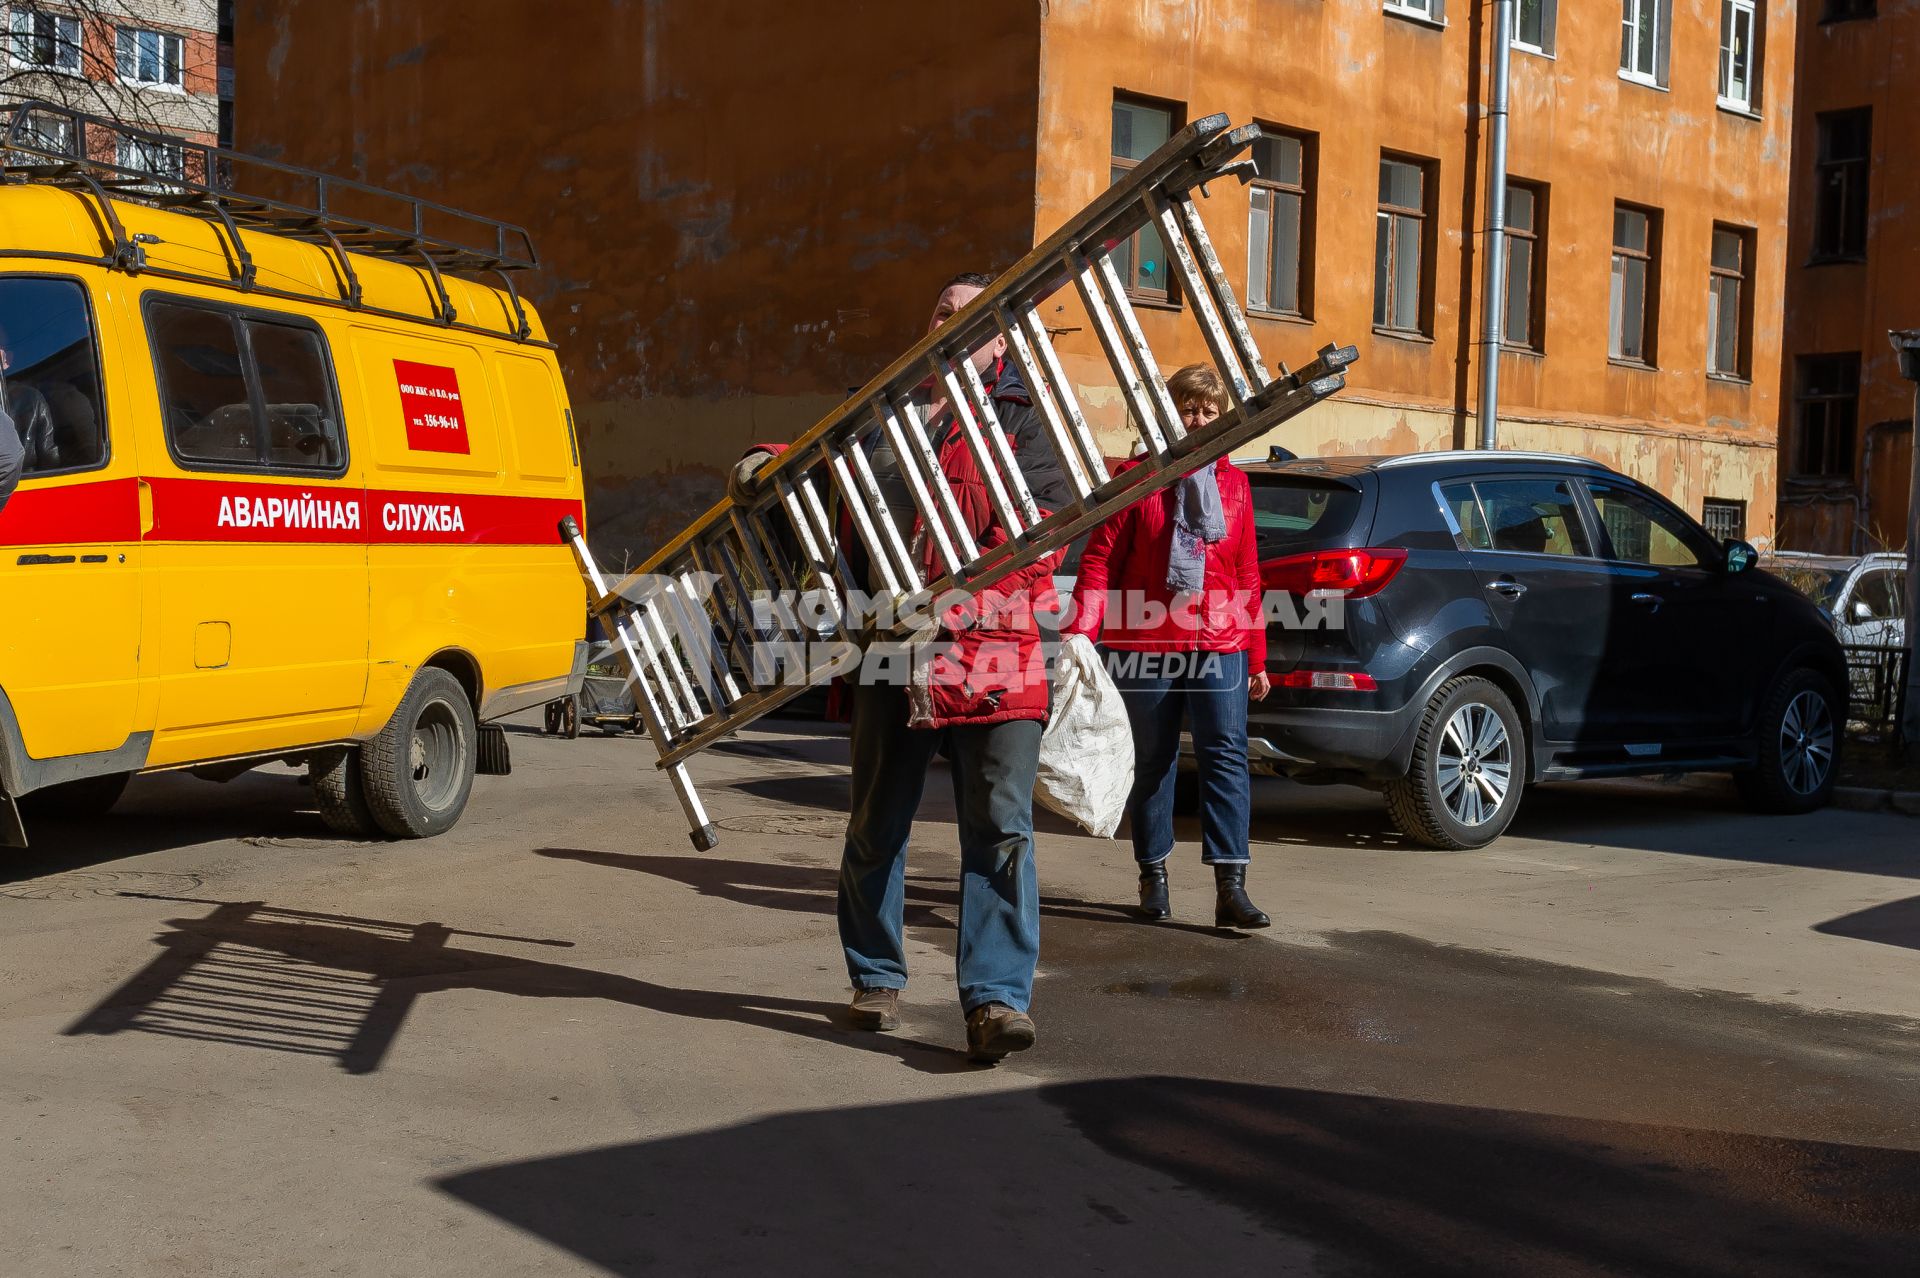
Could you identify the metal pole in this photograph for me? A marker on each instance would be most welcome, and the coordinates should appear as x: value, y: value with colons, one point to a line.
x: 1493, y: 289
x: 1907, y: 344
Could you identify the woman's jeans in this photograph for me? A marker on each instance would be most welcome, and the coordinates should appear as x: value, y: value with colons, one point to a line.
x: 1209, y: 689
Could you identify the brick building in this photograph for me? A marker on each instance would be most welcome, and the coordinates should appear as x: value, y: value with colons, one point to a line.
x: 147, y: 62
x: 1846, y: 434
x: 745, y: 209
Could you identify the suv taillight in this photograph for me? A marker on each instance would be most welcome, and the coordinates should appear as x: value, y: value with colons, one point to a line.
x: 1353, y: 573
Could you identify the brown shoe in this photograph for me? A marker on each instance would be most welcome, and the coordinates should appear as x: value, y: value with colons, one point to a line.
x: 994, y: 1029
x: 875, y: 1009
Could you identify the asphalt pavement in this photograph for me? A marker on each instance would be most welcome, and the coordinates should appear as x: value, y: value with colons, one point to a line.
x: 1647, y: 1032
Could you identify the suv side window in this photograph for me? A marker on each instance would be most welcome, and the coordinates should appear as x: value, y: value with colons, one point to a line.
x: 1640, y: 530
x: 52, y: 374
x: 245, y: 391
x: 1884, y: 591
x: 1519, y: 516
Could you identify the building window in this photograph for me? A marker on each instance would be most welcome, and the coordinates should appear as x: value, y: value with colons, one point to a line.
x: 1399, y: 247
x: 161, y: 159
x: 1533, y: 23
x: 1739, y: 55
x: 150, y: 58
x: 1840, y: 184
x: 1139, y: 129
x: 1279, y: 231
x: 1725, y: 519
x: 1426, y: 10
x: 1848, y: 10
x: 1826, y: 405
x: 1526, y: 228
x: 44, y: 41
x: 1643, y: 40
x: 1729, y: 302
x: 1634, y: 302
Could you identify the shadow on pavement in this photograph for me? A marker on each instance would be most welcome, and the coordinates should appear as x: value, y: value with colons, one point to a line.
x: 1893, y: 923
x: 253, y: 975
x: 1173, y: 1175
x: 808, y: 889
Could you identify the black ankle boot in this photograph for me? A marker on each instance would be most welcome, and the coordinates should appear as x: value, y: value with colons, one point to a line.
x: 1153, y: 892
x: 1232, y: 908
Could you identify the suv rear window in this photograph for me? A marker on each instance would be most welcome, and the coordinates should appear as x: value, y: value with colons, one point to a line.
x: 1294, y: 514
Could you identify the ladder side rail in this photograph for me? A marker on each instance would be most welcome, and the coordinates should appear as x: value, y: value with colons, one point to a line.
x: 1065, y: 449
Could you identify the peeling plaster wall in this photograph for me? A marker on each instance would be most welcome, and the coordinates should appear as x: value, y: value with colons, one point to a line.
x: 1838, y: 307
x: 1366, y: 81
x: 742, y: 209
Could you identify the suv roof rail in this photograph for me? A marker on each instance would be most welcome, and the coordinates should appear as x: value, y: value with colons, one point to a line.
x: 1488, y: 455
x: 56, y: 145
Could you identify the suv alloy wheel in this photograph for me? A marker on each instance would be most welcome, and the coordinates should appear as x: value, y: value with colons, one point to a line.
x: 1469, y: 766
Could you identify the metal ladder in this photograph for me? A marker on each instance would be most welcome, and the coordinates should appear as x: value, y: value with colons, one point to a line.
x: 707, y: 663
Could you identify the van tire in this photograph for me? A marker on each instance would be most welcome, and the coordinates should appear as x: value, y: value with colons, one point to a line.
x: 340, y: 794
x: 418, y: 772
x: 87, y: 797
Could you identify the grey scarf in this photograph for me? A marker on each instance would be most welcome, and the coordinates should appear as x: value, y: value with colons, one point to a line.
x: 1198, y: 521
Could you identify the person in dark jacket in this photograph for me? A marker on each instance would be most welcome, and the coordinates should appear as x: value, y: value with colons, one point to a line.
x: 985, y: 698
x: 12, y: 457
x: 1187, y: 644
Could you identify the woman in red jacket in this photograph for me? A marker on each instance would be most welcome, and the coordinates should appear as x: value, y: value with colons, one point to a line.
x: 1170, y: 587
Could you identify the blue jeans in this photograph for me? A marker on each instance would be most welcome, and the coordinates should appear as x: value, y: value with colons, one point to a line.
x: 993, y: 773
x: 1210, y: 690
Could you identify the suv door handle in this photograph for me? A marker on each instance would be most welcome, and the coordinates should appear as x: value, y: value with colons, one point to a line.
x: 1511, y: 589
x: 1643, y: 598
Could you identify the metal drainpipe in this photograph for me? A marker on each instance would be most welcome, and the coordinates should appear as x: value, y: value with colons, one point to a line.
x: 1493, y: 289
x: 1907, y: 343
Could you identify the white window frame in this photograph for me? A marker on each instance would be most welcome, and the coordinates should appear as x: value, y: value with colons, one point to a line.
x: 129, y: 153
x: 20, y: 26
x: 1730, y: 11
x: 1549, y: 17
x: 1630, y: 14
x: 1431, y: 12
x: 132, y: 34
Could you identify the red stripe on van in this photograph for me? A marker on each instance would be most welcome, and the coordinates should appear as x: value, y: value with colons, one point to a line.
x: 222, y: 510
x: 91, y: 513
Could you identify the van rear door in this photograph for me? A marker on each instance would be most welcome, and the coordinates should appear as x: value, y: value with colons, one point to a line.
x: 70, y: 590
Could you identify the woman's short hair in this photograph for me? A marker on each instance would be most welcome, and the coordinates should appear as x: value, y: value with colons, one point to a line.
x: 1197, y: 382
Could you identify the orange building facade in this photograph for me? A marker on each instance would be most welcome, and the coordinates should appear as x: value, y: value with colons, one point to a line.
x: 1846, y: 432
x: 746, y: 212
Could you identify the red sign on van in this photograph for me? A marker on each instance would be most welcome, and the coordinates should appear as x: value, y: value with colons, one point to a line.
x: 430, y: 401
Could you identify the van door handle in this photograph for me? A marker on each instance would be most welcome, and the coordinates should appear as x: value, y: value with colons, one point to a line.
x: 146, y: 507
x: 1511, y: 589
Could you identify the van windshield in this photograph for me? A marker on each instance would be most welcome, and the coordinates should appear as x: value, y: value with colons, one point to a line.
x: 1293, y: 514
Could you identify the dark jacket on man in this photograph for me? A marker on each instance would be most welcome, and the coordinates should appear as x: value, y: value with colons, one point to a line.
x: 13, y: 457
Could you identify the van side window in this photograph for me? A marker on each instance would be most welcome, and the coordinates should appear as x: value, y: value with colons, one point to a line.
x: 52, y: 374
x: 244, y: 391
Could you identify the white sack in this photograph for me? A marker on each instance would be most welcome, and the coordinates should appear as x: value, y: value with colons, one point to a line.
x: 1086, y: 754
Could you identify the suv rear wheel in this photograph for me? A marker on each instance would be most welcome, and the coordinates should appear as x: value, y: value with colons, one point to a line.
x: 1468, y: 769
x: 1799, y: 743
x: 419, y: 771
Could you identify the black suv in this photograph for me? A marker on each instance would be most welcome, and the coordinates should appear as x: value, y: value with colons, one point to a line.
x: 1495, y: 619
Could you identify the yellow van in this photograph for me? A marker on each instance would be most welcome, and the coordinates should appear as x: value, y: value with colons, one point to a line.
x: 293, y: 487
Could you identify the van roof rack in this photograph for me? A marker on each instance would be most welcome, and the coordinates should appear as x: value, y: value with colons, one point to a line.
x: 56, y: 145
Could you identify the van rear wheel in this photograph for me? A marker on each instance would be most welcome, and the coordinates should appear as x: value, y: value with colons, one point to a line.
x: 418, y: 772
x: 340, y: 794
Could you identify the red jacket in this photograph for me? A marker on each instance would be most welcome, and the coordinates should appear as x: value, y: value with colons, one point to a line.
x: 1127, y: 556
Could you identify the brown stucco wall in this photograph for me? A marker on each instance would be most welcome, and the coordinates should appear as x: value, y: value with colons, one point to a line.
x: 1839, y: 307
x: 1364, y: 80
x: 743, y: 209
